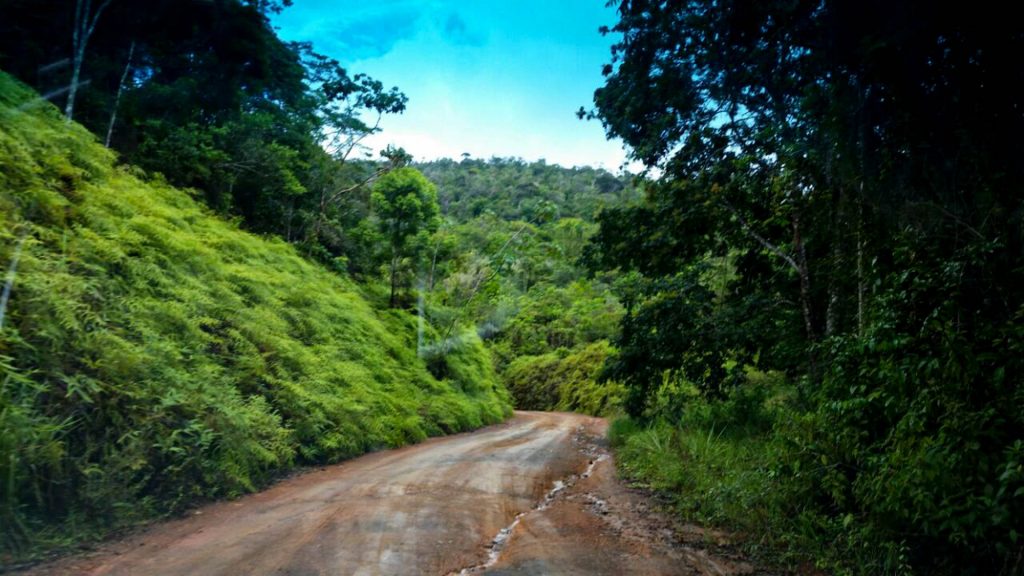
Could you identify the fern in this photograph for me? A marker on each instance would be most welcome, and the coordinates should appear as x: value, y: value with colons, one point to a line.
x: 154, y: 354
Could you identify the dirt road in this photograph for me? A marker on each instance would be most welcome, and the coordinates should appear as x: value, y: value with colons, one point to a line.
x: 536, y: 495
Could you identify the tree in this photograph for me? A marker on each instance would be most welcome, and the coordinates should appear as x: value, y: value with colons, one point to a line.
x: 406, y: 204
x: 83, y: 28
x: 792, y: 130
x: 120, y: 93
x: 858, y: 162
x: 209, y: 96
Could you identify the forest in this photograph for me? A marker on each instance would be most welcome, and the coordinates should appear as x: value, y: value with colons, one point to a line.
x: 234, y: 257
x: 805, y: 316
x: 830, y: 261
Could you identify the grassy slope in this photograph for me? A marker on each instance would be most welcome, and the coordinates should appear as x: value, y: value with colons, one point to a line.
x: 153, y: 354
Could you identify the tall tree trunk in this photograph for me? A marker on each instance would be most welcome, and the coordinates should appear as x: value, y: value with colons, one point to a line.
x: 76, y: 70
x: 120, y: 91
x: 84, y: 26
x: 860, y: 261
x: 73, y: 88
x: 798, y: 263
x: 77, y: 49
x: 834, y: 299
x: 865, y: 171
x: 806, y: 304
x: 394, y: 276
x: 805, y: 280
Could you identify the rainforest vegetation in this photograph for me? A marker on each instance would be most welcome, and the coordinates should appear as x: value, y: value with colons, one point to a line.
x: 211, y: 282
x: 154, y: 354
x: 822, y: 339
x: 807, y: 310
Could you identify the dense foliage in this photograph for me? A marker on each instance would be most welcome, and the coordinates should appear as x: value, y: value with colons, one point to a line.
x: 270, y: 133
x: 839, y: 199
x: 207, y: 94
x: 152, y: 354
x: 513, y: 189
x: 811, y: 307
x: 507, y: 258
x: 564, y: 380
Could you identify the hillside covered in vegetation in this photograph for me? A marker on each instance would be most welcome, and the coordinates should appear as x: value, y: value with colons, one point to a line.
x: 153, y: 354
x: 508, y: 259
x: 231, y: 286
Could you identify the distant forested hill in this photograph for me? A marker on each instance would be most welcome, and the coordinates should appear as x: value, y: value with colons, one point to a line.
x: 513, y: 189
x: 508, y: 259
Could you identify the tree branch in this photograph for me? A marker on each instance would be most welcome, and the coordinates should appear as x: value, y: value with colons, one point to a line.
x: 761, y: 239
x: 96, y: 17
x: 338, y: 194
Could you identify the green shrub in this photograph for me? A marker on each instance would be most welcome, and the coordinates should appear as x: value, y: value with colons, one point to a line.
x: 531, y: 381
x: 916, y: 441
x: 564, y: 381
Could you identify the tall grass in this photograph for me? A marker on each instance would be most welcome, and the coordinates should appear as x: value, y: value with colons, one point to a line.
x: 738, y: 464
x: 153, y: 354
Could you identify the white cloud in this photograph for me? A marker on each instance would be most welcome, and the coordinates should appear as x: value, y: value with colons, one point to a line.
x: 508, y: 87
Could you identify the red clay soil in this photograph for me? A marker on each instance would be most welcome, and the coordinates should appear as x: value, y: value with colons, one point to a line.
x: 536, y: 495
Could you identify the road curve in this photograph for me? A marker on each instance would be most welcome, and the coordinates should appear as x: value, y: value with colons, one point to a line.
x: 432, y: 508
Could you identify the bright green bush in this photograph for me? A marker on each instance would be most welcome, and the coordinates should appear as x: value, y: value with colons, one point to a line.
x: 564, y: 382
x: 531, y: 381
x: 153, y: 354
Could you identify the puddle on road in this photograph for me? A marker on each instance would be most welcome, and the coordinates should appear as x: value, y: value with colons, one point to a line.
x: 500, y: 541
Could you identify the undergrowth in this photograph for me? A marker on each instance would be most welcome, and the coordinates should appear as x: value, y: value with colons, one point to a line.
x: 736, y: 463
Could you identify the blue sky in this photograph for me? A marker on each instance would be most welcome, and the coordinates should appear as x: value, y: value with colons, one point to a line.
x: 486, y: 77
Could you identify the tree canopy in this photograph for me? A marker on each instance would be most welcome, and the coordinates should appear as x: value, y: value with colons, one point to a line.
x: 406, y: 206
x: 853, y: 167
x: 206, y: 94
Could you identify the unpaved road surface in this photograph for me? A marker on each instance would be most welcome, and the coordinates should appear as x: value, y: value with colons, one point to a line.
x: 536, y: 495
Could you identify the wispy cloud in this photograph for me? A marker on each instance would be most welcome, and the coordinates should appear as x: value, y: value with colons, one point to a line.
x: 491, y: 78
x: 358, y: 32
x: 371, y: 36
x: 456, y: 32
